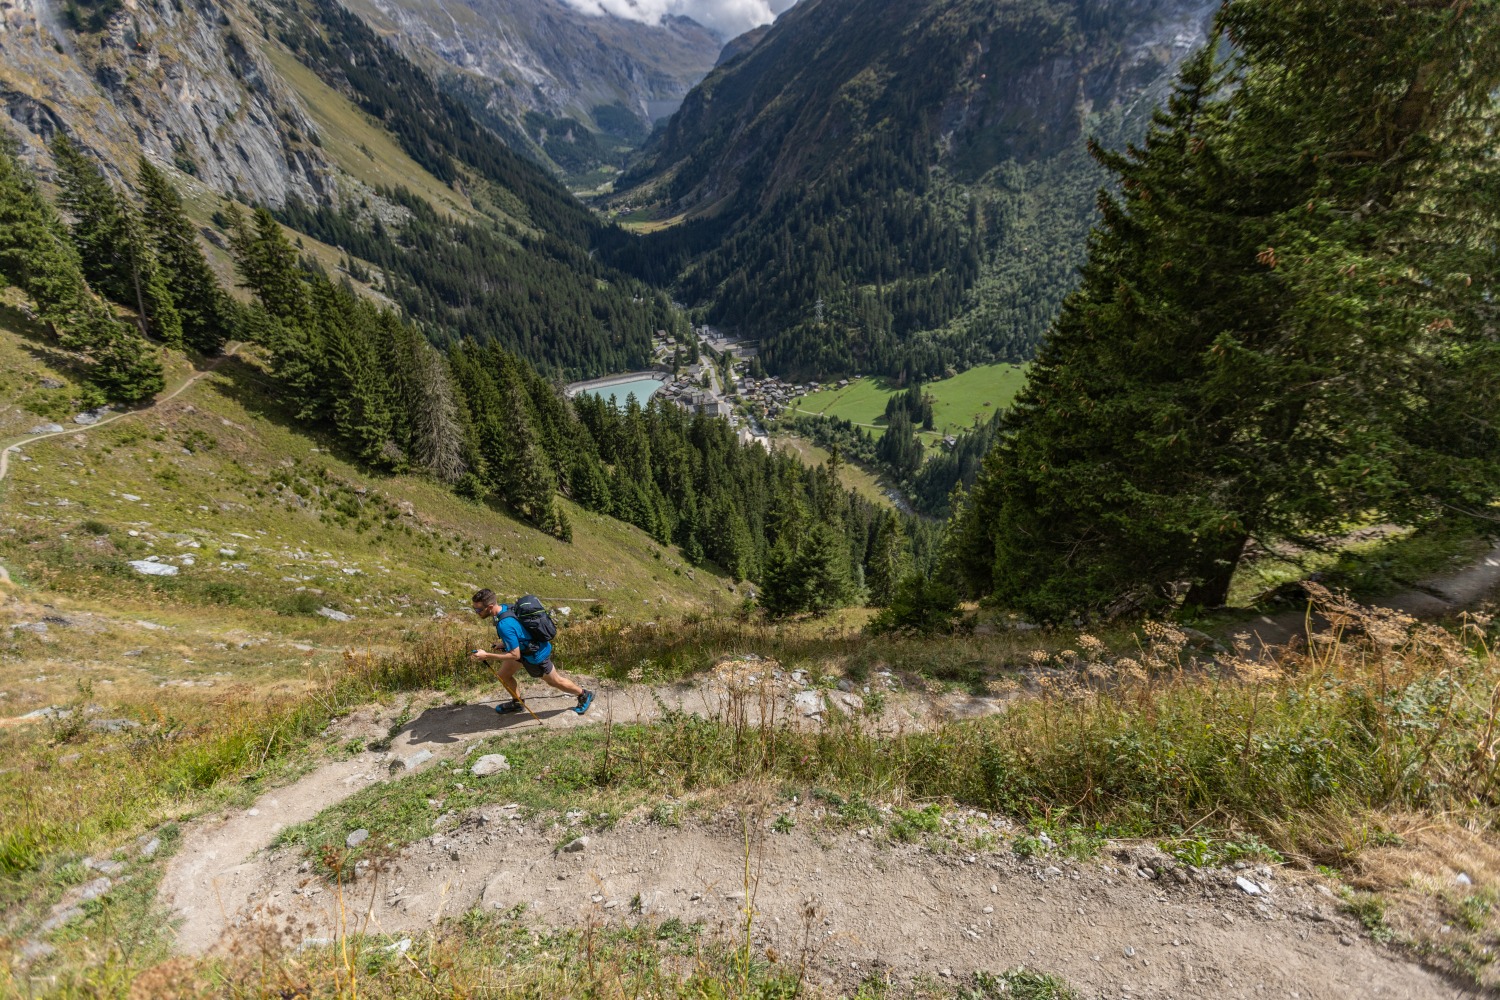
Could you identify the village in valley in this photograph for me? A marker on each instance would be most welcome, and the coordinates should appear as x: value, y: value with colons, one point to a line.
x: 725, y: 380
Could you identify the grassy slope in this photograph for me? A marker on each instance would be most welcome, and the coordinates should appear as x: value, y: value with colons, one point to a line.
x: 359, y: 145
x: 205, y: 468
x: 958, y: 400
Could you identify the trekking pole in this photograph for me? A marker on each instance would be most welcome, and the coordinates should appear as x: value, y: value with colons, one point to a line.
x: 515, y: 693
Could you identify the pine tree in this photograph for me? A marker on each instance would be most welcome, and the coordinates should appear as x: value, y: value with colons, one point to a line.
x: 784, y: 586
x: 1268, y: 320
x: 437, y: 427
x: 112, y: 243
x: 126, y: 366
x: 206, y: 313
x: 37, y: 256
x: 36, y: 253
x: 887, y: 561
x: 267, y: 265
x: 824, y: 563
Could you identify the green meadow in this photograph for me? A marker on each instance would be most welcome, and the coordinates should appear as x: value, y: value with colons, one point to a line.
x: 977, y: 392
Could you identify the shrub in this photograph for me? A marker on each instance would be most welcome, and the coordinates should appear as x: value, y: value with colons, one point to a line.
x: 920, y: 606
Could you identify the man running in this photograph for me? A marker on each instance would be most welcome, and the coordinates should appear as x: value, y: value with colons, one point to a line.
x: 517, y: 651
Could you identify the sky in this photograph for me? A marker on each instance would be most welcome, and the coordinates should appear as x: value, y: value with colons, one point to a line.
x: 725, y: 18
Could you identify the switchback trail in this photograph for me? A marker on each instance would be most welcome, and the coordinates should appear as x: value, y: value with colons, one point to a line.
x: 845, y: 903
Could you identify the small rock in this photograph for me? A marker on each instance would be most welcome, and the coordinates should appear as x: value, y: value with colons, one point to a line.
x: 576, y: 846
x: 1129, y: 952
x: 229, y: 553
x: 60, y: 917
x: 417, y: 759
x: 148, y: 568
x: 400, y: 947
x: 1052, y: 871
x: 114, y: 725
x: 51, y: 383
x: 129, y: 496
x: 46, y: 429
x: 335, y: 615
x: 989, y: 909
x: 152, y: 846
x: 104, y: 866
x: 1345, y: 939
x: 92, y: 890
x: 1463, y: 879
x: 1247, y: 886
x: 356, y: 838
x: 808, y: 702
x: 490, y: 763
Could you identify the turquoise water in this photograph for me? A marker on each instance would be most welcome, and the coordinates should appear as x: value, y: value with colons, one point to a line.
x: 644, y: 389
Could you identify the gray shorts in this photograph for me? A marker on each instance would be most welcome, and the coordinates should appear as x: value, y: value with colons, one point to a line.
x: 538, y: 669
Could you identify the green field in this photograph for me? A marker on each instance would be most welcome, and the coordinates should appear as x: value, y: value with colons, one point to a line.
x: 854, y: 476
x: 958, y: 400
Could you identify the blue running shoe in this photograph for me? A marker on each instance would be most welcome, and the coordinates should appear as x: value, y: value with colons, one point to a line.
x: 584, y: 701
x: 506, y: 707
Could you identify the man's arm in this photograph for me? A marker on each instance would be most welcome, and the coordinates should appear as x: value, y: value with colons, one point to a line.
x: 490, y: 654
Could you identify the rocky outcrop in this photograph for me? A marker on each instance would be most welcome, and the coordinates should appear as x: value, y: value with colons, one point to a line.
x: 182, y: 82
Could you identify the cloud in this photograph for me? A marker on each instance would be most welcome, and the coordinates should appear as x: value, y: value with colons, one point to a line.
x: 725, y: 18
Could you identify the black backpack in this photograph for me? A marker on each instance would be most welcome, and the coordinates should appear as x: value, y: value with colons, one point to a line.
x: 533, y: 616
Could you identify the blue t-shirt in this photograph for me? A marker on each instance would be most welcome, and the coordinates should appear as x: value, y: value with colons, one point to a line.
x: 512, y: 634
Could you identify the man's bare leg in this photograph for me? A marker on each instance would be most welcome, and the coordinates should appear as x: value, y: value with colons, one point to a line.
x: 556, y: 678
x: 508, y: 679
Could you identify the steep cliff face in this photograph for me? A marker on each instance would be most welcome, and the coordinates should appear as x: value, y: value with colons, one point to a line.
x: 181, y: 82
x: 535, y: 65
x: 905, y: 180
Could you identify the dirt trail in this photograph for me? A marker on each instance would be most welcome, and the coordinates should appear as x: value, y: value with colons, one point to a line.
x: 215, y: 874
x: 1442, y: 595
x: 848, y: 905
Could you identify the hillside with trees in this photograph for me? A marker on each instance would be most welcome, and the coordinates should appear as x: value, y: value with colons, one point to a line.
x: 1286, y: 322
x: 899, y: 188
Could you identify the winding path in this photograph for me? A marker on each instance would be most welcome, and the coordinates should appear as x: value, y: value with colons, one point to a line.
x: 229, y: 351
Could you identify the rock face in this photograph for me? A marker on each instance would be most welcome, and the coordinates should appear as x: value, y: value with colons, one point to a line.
x: 184, y: 83
x: 546, y: 56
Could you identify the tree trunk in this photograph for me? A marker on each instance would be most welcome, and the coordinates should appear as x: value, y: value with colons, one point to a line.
x: 1211, y: 589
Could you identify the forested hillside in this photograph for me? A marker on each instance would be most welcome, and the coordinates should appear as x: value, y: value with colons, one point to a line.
x: 475, y: 417
x: 319, y: 119
x: 899, y: 187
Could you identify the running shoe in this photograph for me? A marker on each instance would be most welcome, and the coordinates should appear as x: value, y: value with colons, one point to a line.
x: 584, y: 701
x: 506, y: 707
